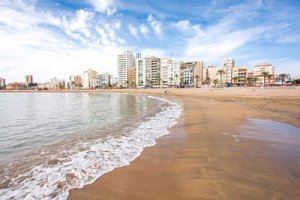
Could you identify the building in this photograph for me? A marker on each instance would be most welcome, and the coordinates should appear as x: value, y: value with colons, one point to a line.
x: 125, y: 61
x: 166, y: 66
x: 2, y: 83
x: 152, y: 71
x: 191, y: 74
x: 260, y: 69
x: 210, y: 74
x: 140, y: 71
x: 57, y: 84
x: 89, y: 79
x: 76, y: 81
x: 16, y: 86
x: 132, y: 76
x: 104, y: 80
x: 174, y: 72
x: 227, y: 65
x: 28, y: 80
x: 239, y: 75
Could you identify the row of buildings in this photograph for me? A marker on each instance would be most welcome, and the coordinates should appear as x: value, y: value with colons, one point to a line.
x: 152, y: 71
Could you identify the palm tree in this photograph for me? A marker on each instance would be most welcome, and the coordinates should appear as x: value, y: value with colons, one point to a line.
x: 207, y: 80
x: 255, y: 79
x: 235, y: 79
x: 215, y: 81
x: 197, y: 80
x: 221, y: 72
x: 176, y: 76
x: 265, y: 74
x: 171, y: 80
x: 269, y: 76
x: 249, y: 79
x: 282, y: 77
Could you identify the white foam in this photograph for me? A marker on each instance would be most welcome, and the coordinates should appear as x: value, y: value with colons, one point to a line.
x: 81, y: 168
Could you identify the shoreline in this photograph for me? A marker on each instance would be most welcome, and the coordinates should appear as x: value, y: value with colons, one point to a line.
x: 201, y: 158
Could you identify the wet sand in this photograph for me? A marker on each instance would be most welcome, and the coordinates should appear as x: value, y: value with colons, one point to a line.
x: 203, y: 157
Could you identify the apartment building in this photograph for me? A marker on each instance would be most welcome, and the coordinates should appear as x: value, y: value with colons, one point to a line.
x: 239, y: 75
x: 28, y: 80
x: 125, y: 61
x: 209, y: 74
x: 90, y: 79
x: 152, y: 69
x: 132, y: 76
x: 166, y: 65
x: 140, y: 71
x: 227, y: 65
x: 260, y: 69
x: 191, y: 73
x: 103, y: 80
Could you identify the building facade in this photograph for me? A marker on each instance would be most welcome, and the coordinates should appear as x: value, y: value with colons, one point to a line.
x: 152, y: 71
x: 227, y: 65
x: 103, y: 80
x: 125, y: 61
x: 90, y: 79
x: 76, y: 80
x: 210, y: 74
x: 166, y: 66
x: 140, y: 71
x: 132, y: 76
x: 260, y: 69
x: 57, y: 84
x: 191, y: 74
x: 239, y: 75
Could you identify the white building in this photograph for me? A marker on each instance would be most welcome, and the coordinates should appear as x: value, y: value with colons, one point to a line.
x: 227, y: 65
x: 239, y: 75
x: 140, y: 71
x: 89, y: 79
x: 104, y: 80
x: 56, y: 84
x: 174, y: 72
x: 166, y: 66
x: 264, y: 67
x: 125, y: 61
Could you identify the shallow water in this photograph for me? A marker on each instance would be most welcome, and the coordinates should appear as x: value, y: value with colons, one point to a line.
x: 53, y: 142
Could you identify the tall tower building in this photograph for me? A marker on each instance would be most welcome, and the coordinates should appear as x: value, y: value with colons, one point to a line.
x: 152, y: 68
x: 125, y: 61
x: 227, y: 65
x: 140, y: 71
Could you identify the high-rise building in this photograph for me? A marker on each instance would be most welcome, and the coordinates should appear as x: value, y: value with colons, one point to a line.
x: 132, y: 76
x: 260, y: 69
x: 191, y: 73
x: 2, y: 83
x: 140, y: 71
x: 152, y: 67
x: 166, y: 65
x: 90, y: 79
x: 28, y: 79
x: 174, y: 72
x: 239, y: 75
x: 227, y: 65
x: 125, y: 61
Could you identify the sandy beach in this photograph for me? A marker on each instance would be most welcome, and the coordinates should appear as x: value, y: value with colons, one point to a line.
x: 205, y: 155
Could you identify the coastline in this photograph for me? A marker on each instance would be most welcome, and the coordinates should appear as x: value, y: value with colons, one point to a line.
x: 201, y: 159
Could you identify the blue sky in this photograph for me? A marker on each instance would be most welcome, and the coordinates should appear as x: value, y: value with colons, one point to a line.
x: 65, y: 37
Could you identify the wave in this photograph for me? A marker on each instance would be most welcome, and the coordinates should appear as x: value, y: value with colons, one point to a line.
x: 74, y: 169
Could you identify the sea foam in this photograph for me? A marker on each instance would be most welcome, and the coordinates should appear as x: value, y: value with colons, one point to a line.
x: 54, y: 180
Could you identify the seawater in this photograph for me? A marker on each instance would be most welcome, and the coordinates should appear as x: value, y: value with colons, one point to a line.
x: 53, y: 142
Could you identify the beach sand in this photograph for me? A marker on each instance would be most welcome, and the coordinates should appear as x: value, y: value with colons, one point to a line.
x: 203, y: 157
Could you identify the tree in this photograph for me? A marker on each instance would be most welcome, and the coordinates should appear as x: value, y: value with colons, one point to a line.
x: 249, y: 79
x: 171, y: 80
x: 176, y: 76
x: 207, y: 80
x: 127, y: 82
x: 255, y: 79
x: 269, y: 76
x: 235, y: 79
x: 215, y: 82
x: 282, y: 77
x: 197, y: 80
x: 265, y: 74
x: 221, y: 72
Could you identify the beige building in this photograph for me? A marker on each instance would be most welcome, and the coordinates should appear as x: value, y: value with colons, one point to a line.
x: 28, y: 79
x: 152, y: 71
x: 125, y: 61
x: 260, y: 69
x: 166, y: 77
x: 209, y: 74
x: 76, y: 81
x: 132, y: 76
x: 239, y: 75
x: 90, y: 79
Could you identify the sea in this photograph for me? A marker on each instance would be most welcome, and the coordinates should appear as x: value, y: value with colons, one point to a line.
x: 52, y: 142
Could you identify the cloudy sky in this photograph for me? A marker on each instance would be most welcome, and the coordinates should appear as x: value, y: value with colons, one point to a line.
x: 59, y: 38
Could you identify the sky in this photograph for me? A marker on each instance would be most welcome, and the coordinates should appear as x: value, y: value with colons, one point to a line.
x: 59, y: 38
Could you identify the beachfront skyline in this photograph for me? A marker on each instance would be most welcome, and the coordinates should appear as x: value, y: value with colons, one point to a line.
x: 63, y: 37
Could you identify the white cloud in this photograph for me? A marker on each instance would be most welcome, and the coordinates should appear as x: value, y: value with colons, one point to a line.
x: 103, y: 6
x: 155, y: 24
x: 133, y: 30
x: 144, y: 30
